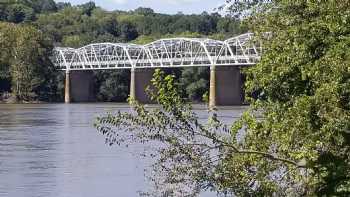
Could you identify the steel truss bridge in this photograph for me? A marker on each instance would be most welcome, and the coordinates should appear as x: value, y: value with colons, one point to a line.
x: 241, y: 50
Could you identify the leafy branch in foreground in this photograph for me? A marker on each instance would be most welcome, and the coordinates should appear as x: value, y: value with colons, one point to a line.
x: 192, y: 155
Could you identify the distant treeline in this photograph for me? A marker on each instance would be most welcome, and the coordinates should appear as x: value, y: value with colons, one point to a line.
x: 31, y: 28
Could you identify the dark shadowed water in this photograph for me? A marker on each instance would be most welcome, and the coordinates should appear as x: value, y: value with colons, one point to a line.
x: 53, y: 150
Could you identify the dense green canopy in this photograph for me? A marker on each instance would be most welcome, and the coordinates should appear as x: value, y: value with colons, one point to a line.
x: 303, y: 84
x: 24, y: 61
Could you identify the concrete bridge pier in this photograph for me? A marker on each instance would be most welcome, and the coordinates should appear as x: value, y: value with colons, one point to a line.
x: 132, y: 84
x: 140, y: 78
x: 226, y: 86
x: 212, y: 87
x: 79, y: 86
x: 67, y: 98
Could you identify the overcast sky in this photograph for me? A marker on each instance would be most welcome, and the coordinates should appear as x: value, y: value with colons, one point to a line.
x: 161, y: 6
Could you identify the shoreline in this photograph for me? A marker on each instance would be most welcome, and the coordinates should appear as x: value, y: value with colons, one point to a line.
x: 23, y: 102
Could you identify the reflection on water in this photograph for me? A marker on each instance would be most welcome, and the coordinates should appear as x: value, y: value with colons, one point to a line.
x: 53, y: 150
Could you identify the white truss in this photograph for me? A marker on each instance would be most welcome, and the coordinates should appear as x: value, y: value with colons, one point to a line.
x: 173, y: 52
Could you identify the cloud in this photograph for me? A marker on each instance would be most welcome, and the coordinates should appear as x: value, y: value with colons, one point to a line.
x: 179, y: 2
x: 120, y: 2
x: 183, y: 1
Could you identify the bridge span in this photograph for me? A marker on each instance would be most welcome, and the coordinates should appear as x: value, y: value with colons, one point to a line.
x: 225, y: 58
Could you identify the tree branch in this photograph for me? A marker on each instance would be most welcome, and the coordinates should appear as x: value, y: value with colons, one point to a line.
x: 264, y: 154
x: 243, y: 151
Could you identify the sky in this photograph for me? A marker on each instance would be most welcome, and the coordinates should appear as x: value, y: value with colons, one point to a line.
x: 160, y: 6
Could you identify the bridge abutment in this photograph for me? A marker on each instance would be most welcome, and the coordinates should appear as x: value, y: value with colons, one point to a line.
x: 139, y: 80
x: 79, y: 86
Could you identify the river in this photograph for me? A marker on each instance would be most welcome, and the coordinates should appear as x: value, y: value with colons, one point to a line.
x: 53, y: 150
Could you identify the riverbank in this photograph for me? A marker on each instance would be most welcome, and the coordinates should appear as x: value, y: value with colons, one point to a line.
x: 7, y: 98
x: 21, y: 102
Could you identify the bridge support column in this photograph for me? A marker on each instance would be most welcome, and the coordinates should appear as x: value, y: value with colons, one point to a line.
x: 67, y: 88
x: 132, y: 84
x: 212, y: 88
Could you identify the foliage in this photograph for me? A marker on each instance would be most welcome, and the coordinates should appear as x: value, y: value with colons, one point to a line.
x: 303, y: 81
x: 17, y: 13
x: 25, y: 60
x: 192, y: 155
x: 128, y: 31
x: 148, y: 39
x: 195, y: 82
x: 5, y: 77
x: 62, y: 5
x: 112, y: 86
x: 144, y: 11
x: 87, y: 8
x: 185, y: 155
x: 294, y: 139
x: 238, y: 8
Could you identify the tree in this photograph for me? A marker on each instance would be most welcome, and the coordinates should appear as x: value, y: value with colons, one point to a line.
x: 108, y: 24
x: 23, y: 65
x: 195, y: 82
x: 207, y: 23
x: 144, y: 11
x: 26, y: 59
x: 62, y: 5
x: 294, y: 139
x: 40, y: 6
x: 5, y: 44
x: 72, y: 41
x: 45, y: 6
x: 112, y: 86
x: 302, y: 81
x: 128, y: 31
x: 3, y: 14
x: 229, y: 25
x: 19, y: 13
x: 88, y: 7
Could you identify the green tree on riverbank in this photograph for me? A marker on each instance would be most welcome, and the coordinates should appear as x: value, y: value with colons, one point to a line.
x: 25, y: 62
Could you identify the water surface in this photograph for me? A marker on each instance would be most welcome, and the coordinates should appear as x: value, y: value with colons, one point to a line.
x: 53, y: 150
